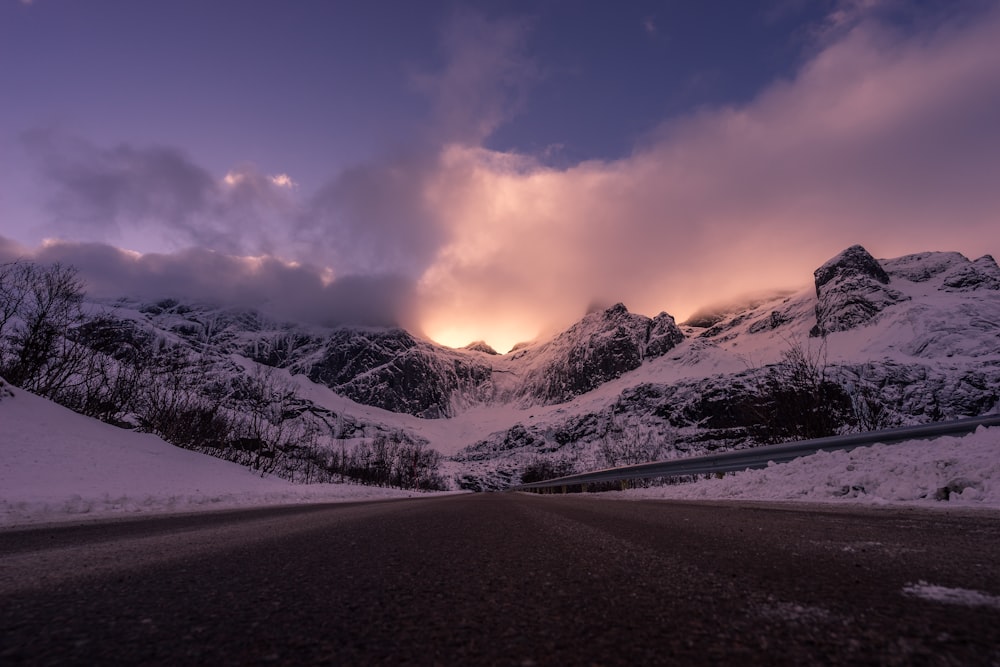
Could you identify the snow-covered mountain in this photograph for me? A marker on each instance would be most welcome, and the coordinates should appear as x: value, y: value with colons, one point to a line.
x: 917, y: 336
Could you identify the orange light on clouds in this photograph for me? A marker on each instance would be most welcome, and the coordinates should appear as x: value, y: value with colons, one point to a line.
x: 283, y: 181
x: 501, y: 337
x: 233, y: 178
x: 530, y: 249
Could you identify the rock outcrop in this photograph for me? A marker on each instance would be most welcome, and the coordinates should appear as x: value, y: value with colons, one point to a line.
x: 391, y: 369
x: 851, y: 289
x: 602, y: 346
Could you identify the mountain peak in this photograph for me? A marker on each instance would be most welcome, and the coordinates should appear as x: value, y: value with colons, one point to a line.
x: 853, y: 262
x: 851, y: 289
x: 480, y: 346
x: 616, y: 309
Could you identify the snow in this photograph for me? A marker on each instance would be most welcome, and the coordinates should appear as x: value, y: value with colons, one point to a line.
x: 944, y: 472
x: 947, y: 333
x: 56, y: 465
x: 957, y: 596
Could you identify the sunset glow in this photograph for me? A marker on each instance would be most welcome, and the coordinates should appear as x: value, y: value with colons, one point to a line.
x: 497, y: 177
x: 283, y: 181
x: 496, y: 334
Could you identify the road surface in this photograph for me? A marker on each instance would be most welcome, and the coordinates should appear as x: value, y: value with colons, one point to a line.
x: 508, y: 579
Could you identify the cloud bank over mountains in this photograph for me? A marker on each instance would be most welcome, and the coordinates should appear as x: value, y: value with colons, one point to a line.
x: 885, y: 136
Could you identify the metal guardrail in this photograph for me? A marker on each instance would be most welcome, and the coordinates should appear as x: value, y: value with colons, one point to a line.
x: 760, y: 457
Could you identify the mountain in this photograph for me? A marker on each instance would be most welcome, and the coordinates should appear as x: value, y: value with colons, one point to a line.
x: 892, y: 341
x: 851, y: 289
x: 907, y: 340
x: 602, y: 346
x: 393, y: 370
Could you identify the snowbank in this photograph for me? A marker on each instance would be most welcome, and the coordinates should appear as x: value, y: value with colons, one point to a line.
x: 947, y: 471
x: 58, y: 465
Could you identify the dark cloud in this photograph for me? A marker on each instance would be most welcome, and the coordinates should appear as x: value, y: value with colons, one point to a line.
x: 372, y: 219
x: 101, y: 187
x: 127, y: 192
x: 11, y: 251
x: 375, y: 218
x: 297, y: 292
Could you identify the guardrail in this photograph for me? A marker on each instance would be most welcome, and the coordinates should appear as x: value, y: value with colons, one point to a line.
x: 760, y: 457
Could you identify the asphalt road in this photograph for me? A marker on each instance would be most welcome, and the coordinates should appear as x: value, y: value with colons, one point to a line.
x: 506, y: 579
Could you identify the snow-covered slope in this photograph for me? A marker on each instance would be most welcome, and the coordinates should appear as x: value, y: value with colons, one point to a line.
x: 56, y: 464
x: 925, y: 306
x: 957, y: 471
x: 921, y: 333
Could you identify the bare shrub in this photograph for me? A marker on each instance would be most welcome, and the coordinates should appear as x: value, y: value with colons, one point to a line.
x: 39, y: 307
x: 541, y: 469
x: 796, y: 399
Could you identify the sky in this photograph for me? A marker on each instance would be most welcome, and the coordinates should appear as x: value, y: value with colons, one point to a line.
x: 491, y: 170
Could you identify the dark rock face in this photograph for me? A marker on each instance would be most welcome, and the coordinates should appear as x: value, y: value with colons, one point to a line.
x: 854, y: 263
x: 282, y: 350
x: 349, y: 353
x: 771, y: 322
x: 664, y: 335
x: 391, y: 369
x: 419, y: 383
x: 480, y: 346
x: 601, y: 347
x: 517, y: 437
x: 954, y: 271
x: 923, y: 266
x: 852, y: 288
x: 980, y: 274
x: 703, y: 415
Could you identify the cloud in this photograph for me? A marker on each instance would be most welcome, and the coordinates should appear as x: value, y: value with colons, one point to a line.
x: 157, y: 197
x: 849, y: 13
x: 883, y: 138
x: 297, y: 292
x: 373, y: 218
x: 484, y: 80
x: 886, y: 136
x: 283, y: 181
x: 102, y: 187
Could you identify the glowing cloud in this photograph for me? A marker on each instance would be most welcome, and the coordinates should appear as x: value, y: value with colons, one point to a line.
x: 886, y: 138
x: 881, y: 139
x: 233, y: 178
x: 283, y: 181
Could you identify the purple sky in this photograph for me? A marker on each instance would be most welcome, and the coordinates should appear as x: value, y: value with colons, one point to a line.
x: 491, y: 169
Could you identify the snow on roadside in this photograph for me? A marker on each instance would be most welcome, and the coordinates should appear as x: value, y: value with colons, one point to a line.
x: 947, y: 471
x: 56, y: 465
x: 957, y: 596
